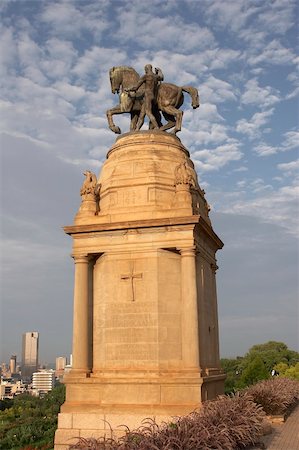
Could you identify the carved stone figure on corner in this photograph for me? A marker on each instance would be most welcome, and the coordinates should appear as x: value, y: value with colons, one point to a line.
x: 90, y: 193
x: 89, y: 184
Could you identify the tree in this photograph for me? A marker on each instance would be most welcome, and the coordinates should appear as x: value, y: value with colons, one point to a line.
x: 254, y: 372
x: 272, y: 353
x: 231, y: 367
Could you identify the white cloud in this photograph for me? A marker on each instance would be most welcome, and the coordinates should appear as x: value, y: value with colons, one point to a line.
x: 274, y: 53
x: 278, y: 17
x: 230, y: 14
x: 293, y: 94
x: 258, y: 185
x: 241, y: 169
x: 68, y: 20
x: 278, y: 207
x: 170, y: 32
x: 252, y: 128
x: 263, y: 96
x: 214, y: 158
x: 215, y: 90
x: 220, y: 58
x: 265, y: 149
x: 98, y: 59
x: 8, y: 51
x: 289, y: 168
x: 203, y: 127
x: 290, y: 142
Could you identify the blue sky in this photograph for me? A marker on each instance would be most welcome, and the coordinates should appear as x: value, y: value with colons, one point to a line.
x: 241, y: 55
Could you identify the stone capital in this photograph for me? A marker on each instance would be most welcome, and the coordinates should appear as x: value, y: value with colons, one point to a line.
x: 188, y: 251
x: 81, y: 259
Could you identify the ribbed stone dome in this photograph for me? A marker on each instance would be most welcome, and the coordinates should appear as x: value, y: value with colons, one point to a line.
x: 138, y: 178
x: 147, y: 175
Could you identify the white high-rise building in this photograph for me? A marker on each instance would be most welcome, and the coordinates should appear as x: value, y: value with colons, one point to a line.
x: 43, y: 381
x: 29, y: 353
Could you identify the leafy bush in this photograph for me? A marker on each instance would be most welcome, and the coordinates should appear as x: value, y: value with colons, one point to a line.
x: 276, y: 396
x: 287, y: 371
x: 225, y: 424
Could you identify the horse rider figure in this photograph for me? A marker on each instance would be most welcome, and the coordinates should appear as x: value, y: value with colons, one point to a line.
x: 151, y: 82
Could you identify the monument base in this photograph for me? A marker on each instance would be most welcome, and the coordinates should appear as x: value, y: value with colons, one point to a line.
x: 145, y: 339
x: 92, y: 412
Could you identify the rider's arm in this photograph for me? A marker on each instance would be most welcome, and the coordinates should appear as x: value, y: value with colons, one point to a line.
x: 137, y: 86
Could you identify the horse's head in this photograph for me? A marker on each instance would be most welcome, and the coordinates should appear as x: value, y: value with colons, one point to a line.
x: 115, y: 79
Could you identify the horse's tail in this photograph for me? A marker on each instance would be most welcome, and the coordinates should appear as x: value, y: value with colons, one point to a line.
x: 193, y: 92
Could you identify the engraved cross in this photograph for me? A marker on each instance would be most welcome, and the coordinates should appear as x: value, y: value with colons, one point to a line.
x: 131, y: 277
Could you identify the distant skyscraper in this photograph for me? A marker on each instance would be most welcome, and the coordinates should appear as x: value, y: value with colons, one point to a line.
x: 13, y: 364
x: 29, y: 353
x: 60, y: 362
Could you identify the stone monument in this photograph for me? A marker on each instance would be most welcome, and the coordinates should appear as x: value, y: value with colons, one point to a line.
x: 145, y: 329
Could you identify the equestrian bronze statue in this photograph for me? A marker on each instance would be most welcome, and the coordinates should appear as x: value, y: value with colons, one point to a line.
x: 148, y: 96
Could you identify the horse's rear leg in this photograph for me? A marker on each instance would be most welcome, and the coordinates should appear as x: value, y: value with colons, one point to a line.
x: 170, y: 121
x: 177, y: 114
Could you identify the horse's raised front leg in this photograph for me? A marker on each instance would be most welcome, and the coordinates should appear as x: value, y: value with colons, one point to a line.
x: 109, y: 114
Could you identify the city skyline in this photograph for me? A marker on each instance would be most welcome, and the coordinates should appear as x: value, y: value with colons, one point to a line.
x: 241, y: 55
x: 16, y: 359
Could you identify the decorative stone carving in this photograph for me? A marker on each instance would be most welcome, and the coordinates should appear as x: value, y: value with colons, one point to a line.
x: 88, y: 189
x: 185, y: 179
x: 184, y: 174
x: 90, y: 194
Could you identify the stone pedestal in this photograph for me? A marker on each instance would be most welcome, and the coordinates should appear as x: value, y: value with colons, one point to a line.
x: 145, y: 308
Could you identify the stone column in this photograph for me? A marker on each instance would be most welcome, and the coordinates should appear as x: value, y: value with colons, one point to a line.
x: 190, y: 338
x: 216, y: 352
x: 81, y: 315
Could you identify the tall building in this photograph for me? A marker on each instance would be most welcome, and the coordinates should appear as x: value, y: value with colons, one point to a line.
x: 43, y: 381
x: 60, y: 362
x: 29, y: 353
x: 13, y: 364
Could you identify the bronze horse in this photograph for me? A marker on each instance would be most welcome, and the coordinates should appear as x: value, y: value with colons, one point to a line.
x: 169, y: 99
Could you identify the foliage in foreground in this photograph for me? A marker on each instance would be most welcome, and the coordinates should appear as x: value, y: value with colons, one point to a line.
x: 31, y: 422
x: 276, y: 396
x: 225, y: 424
